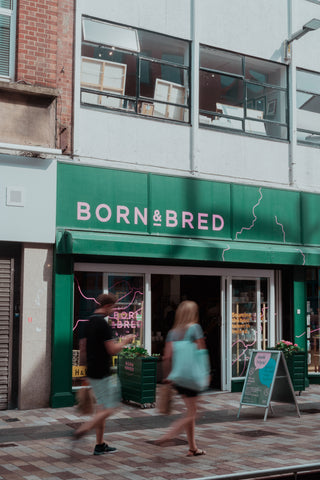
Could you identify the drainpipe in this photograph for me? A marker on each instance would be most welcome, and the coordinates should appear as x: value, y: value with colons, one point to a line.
x: 194, y: 129
x: 292, y: 106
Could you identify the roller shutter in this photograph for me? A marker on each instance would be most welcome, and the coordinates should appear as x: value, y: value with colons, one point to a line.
x: 6, y: 295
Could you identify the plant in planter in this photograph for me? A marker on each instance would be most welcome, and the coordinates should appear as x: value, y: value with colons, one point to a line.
x: 138, y: 375
x: 296, y: 363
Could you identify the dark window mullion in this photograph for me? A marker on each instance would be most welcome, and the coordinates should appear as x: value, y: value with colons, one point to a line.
x: 138, y: 77
x: 219, y: 72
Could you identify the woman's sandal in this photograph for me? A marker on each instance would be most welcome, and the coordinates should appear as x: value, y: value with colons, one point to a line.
x: 196, y: 453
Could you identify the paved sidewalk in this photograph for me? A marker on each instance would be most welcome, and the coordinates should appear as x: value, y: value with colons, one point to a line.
x: 38, y: 445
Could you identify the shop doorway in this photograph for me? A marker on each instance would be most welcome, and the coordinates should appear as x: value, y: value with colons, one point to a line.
x: 167, y: 291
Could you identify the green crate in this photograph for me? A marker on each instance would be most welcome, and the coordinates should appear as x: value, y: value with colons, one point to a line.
x: 138, y: 378
x: 296, y: 363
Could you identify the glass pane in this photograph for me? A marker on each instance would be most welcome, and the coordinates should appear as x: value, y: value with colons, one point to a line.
x: 244, y: 324
x: 4, y: 44
x: 129, y: 315
x: 308, y: 114
x: 164, y: 81
x: 261, y: 71
x: 165, y: 48
x: 313, y: 321
x: 220, y: 91
x: 222, y: 61
x: 104, y: 33
x: 307, y: 137
x: 87, y: 287
x: 160, y: 87
x: 108, y: 68
x: 307, y: 81
x: 264, y: 313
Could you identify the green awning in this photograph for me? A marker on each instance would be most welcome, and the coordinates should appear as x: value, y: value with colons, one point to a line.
x: 174, y: 248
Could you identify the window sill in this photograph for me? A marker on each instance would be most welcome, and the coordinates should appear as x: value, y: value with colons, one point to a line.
x: 23, y: 88
x: 242, y: 133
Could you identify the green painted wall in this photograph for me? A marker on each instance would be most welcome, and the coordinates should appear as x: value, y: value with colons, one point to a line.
x: 62, y: 335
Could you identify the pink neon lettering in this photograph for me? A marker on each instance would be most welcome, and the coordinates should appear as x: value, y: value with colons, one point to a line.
x: 131, y: 315
x: 171, y: 218
x: 83, y: 211
x: 122, y: 212
x: 220, y: 219
x: 143, y: 217
x: 107, y: 208
x: 187, y: 219
x: 202, y: 219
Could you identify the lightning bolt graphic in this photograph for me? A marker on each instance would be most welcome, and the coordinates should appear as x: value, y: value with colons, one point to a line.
x: 303, y: 255
x: 284, y: 233
x: 225, y: 250
x: 254, y: 216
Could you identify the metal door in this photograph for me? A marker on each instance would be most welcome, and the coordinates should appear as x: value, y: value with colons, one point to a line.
x: 6, y: 303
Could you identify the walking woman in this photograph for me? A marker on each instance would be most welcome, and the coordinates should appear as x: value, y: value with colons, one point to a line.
x: 186, y: 322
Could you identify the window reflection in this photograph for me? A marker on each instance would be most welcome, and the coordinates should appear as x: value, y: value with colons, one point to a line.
x: 308, y: 105
x: 128, y: 69
x: 128, y: 316
x: 250, y: 330
x: 235, y: 87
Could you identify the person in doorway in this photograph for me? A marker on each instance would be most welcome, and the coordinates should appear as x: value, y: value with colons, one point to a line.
x: 187, y: 315
x: 96, y: 350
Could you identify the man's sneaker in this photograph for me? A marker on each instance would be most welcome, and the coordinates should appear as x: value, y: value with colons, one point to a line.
x: 103, y: 448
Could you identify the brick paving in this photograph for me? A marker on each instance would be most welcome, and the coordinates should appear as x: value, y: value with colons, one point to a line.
x: 38, y: 445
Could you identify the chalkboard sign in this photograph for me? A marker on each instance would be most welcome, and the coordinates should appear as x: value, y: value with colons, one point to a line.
x: 267, y: 379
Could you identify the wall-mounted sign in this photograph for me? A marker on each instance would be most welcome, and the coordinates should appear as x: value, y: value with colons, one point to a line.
x: 118, y: 201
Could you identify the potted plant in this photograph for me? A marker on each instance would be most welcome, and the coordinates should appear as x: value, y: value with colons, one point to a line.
x: 138, y: 375
x: 296, y: 362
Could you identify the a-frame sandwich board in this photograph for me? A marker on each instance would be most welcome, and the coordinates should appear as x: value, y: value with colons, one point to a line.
x: 267, y: 380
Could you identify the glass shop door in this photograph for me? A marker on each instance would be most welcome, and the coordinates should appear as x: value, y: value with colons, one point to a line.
x: 249, y: 322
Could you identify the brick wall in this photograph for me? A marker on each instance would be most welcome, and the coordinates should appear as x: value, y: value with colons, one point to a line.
x: 44, y: 55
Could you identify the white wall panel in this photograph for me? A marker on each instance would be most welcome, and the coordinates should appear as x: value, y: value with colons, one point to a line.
x: 133, y: 141
x: 34, y: 220
x: 307, y: 168
x: 238, y: 158
x: 171, y: 17
x: 252, y: 27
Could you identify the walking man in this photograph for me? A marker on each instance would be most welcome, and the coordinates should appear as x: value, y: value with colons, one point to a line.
x: 96, y: 350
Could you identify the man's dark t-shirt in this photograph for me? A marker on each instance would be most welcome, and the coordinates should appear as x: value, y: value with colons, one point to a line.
x: 97, y: 331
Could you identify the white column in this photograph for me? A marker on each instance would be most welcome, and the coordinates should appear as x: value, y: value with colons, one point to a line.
x: 35, y: 333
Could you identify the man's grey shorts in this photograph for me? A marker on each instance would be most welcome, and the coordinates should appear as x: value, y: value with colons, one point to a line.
x: 107, y: 390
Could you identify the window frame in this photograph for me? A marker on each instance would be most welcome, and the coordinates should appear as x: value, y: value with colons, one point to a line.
x: 245, y: 99
x: 136, y: 101
x: 11, y: 13
x: 307, y: 92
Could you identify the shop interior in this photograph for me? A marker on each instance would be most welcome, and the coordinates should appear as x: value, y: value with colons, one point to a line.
x: 167, y: 292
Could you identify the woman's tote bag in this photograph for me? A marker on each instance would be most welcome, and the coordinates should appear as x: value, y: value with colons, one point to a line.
x: 190, y: 365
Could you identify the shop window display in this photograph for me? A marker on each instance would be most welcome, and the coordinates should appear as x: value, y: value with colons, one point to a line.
x: 128, y: 316
x: 249, y: 329
x: 313, y: 321
x: 242, y: 93
x: 134, y: 71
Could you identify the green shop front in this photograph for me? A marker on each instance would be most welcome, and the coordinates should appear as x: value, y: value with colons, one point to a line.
x: 247, y: 255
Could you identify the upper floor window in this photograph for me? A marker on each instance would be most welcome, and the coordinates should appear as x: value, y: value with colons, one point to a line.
x: 243, y: 93
x: 134, y: 70
x: 308, y: 107
x: 7, y: 37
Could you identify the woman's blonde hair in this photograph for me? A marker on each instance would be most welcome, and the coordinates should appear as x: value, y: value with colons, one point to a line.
x: 187, y: 312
